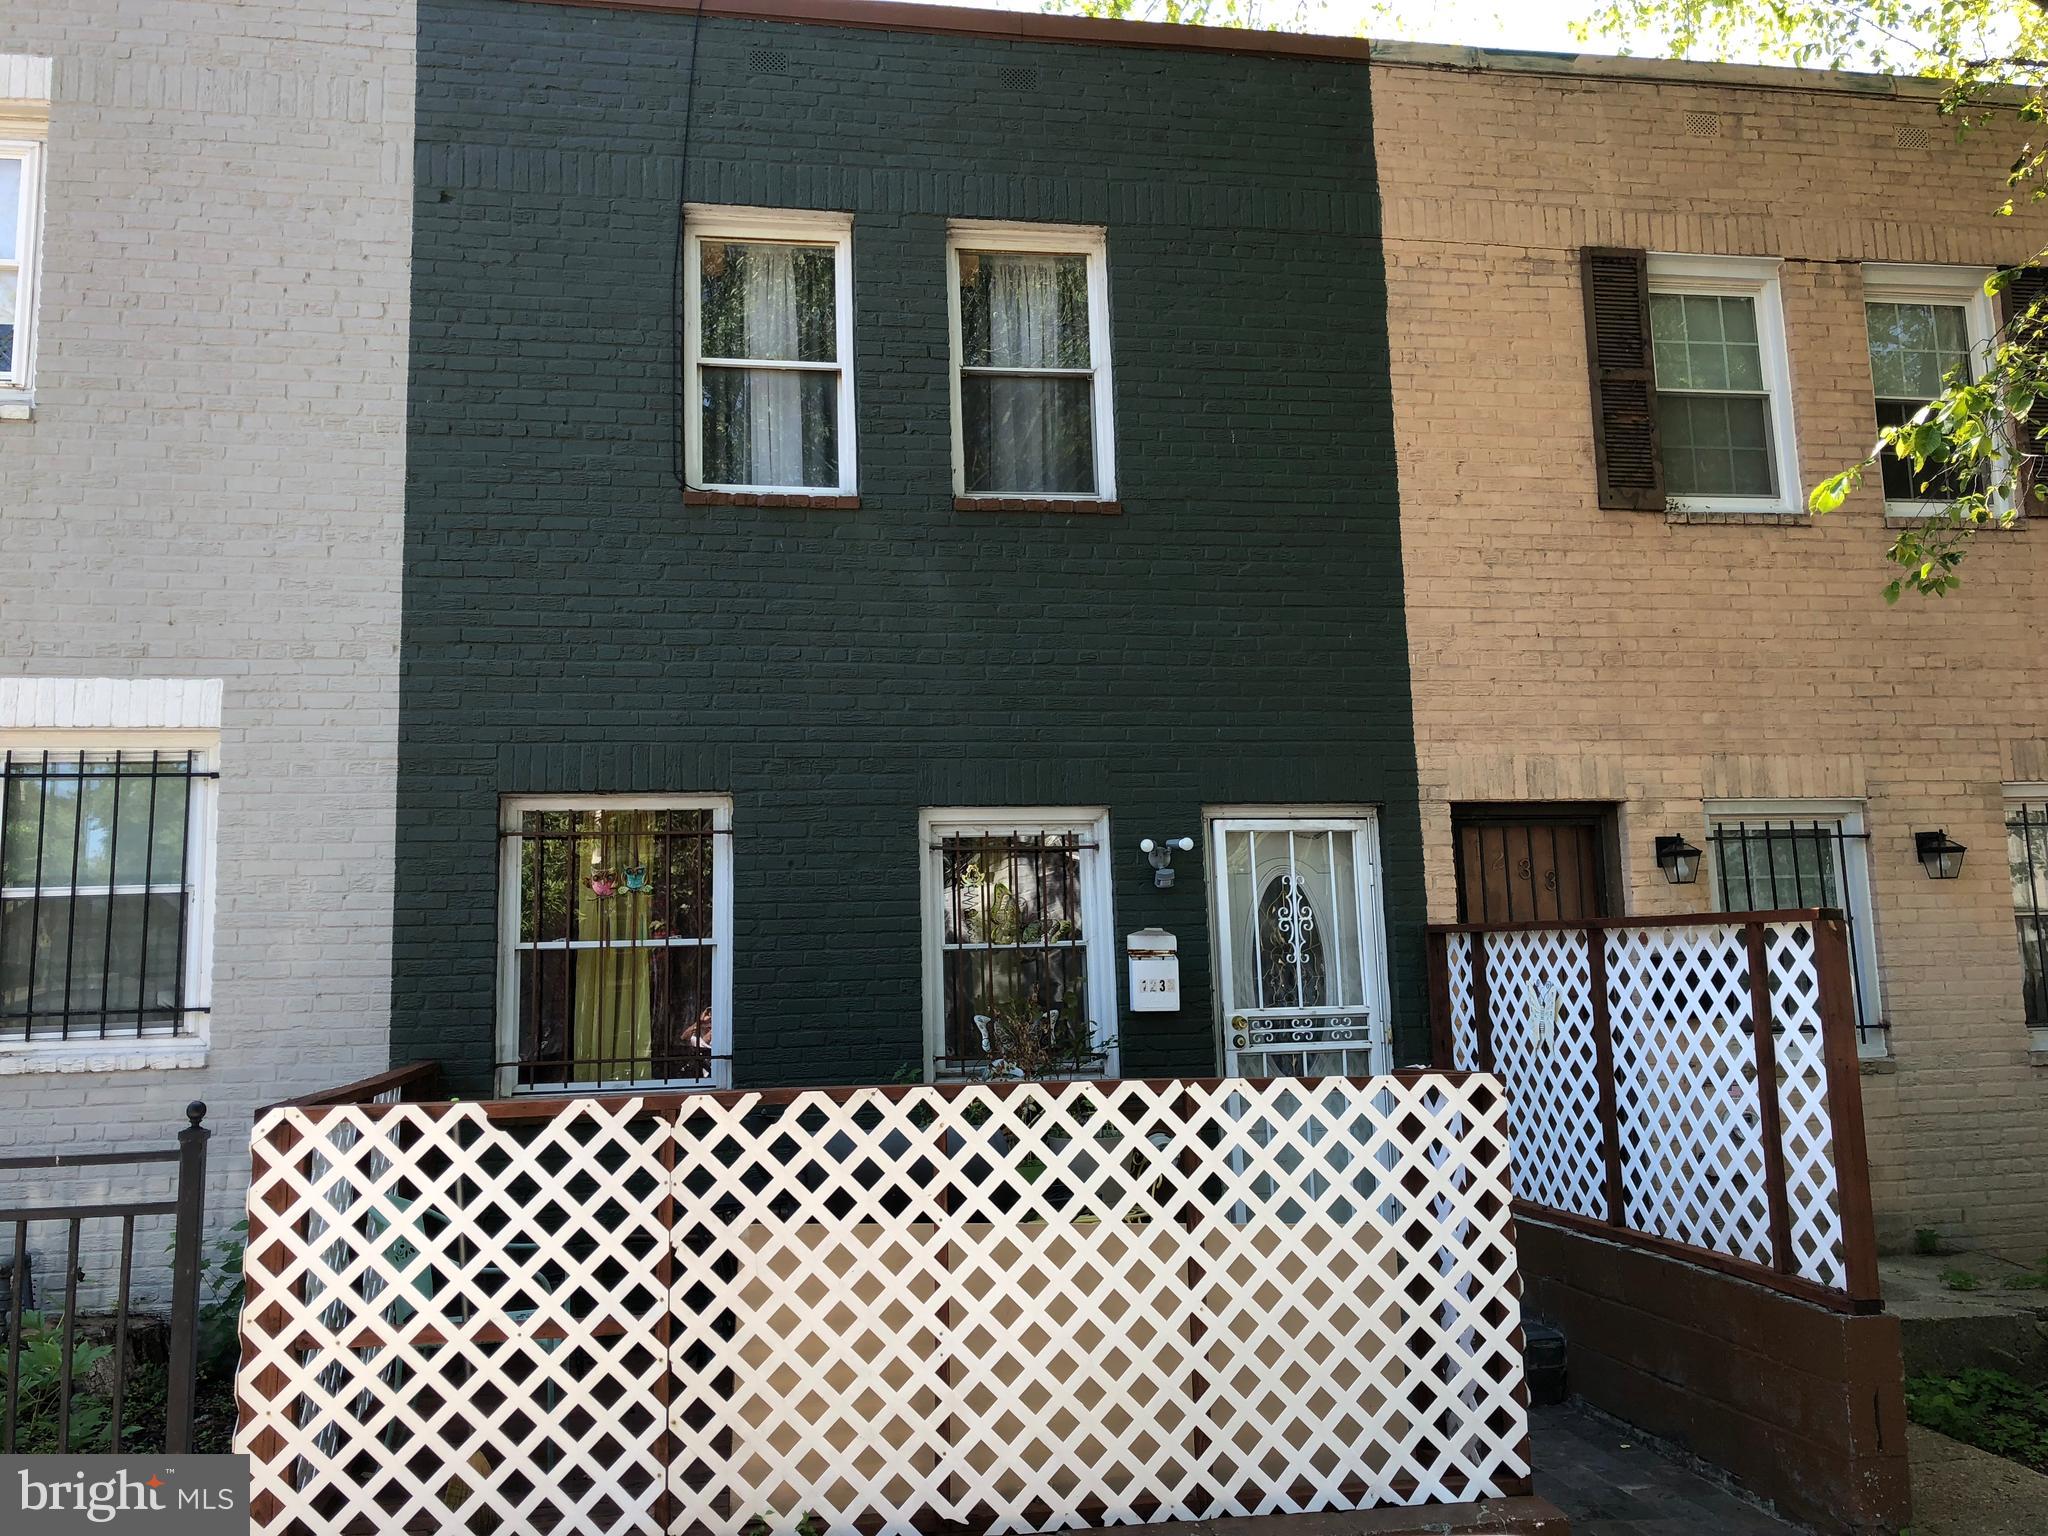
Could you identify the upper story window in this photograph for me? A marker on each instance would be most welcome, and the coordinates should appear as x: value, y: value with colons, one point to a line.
x: 769, y: 322
x: 1019, y: 969
x: 1926, y: 325
x: 616, y: 938
x: 1772, y: 857
x: 1724, y: 397
x: 1029, y: 306
x: 24, y: 118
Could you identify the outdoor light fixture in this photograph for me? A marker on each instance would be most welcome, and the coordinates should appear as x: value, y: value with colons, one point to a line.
x: 1161, y: 855
x: 1679, y: 860
x: 1940, y: 855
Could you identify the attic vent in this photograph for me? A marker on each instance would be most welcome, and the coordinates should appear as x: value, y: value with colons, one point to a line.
x: 767, y: 61
x: 1020, y: 77
x: 1703, y: 125
x: 1917, y: 136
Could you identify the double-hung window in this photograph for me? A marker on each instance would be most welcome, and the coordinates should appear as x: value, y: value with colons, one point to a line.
x: 1019, y: 972
x: 616, y: 941
x: 769, y: 326
x: 1926, y: 326
x: 1029, y: 306
x: 21, y: 161
x: 105, y: 894
x: 1782, y: 855
x: 1724, y: 398
x: 2026, y: 842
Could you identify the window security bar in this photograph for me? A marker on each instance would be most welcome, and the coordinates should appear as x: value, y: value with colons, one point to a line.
x: 1773, y: 864
x: 96, y: 894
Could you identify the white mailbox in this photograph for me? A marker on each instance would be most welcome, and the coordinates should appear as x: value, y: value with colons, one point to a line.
x: 1155, y: 971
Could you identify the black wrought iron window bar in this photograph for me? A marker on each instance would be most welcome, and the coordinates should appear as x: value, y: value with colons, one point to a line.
x: 97, y: 878
x: 1776, y: 864
x: 2026, y: 831
x: 1013, y: 952
x: 616, y: 948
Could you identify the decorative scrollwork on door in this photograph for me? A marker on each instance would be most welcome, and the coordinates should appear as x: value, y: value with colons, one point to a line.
x: 1294, y: 973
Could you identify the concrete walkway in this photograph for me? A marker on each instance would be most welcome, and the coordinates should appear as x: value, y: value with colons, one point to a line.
x: 1609, y: 1482
x: 1959, y: 1490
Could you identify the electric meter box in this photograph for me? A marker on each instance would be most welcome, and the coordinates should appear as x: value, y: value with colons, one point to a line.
x: 1155, y: 971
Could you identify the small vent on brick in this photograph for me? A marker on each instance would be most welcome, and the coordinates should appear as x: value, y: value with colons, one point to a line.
x: 767, y: 61
x: 1020, y: 77
x: 1917, y: 136
x: 1703, y: 125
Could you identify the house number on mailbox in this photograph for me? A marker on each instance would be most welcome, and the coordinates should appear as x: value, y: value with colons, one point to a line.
x: 1155, y: 971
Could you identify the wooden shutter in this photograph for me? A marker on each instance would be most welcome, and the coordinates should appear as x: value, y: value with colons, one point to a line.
x: 1630, y: 470
x: 2030, y: 434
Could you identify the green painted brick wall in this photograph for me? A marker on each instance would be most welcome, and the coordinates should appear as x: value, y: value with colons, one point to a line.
x: 1235, y: 637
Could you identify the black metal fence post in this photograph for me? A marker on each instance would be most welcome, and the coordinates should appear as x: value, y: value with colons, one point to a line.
x: 184, y: 1361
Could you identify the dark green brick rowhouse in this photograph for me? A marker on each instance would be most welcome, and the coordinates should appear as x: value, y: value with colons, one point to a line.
x: 1232, y: 637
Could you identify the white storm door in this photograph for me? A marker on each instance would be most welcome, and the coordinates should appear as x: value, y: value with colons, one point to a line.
x: 1301, y: 945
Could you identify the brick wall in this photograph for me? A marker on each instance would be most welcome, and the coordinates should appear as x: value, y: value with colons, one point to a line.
x: 212, y: 486
x: 1561, y: 652
x: 1233, y: 637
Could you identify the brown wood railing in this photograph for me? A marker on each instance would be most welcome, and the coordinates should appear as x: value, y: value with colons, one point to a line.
x: 1684, y: 1084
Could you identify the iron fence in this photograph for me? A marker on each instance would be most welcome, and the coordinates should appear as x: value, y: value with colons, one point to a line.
x: 187, y: 1208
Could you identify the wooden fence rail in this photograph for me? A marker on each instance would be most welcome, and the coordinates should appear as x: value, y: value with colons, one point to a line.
x: 1012, y: 1308
x: 1685, y: 1084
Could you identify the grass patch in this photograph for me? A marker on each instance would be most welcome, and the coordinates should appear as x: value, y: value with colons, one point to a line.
x: 1988, y: 1409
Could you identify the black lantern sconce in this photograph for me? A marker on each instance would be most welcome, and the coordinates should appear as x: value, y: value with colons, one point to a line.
x: 1679, y: 860
x: 1940, y: 855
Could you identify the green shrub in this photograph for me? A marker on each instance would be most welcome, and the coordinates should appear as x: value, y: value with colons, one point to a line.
x: 1987, y: 1409
x: 42, y: 1385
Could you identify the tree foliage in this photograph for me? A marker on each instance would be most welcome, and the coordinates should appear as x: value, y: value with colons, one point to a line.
x: 1971, y: 447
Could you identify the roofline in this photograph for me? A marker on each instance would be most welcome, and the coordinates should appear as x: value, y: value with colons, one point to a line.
x: 1638, y: 71
x: 1008, y: 26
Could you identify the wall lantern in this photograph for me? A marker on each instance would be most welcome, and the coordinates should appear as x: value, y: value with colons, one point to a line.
x: 1160, y: 856
x: 1679, y: 860
x: 1940, y: 855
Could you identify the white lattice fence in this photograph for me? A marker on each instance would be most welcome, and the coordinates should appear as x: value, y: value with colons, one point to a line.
x: 1020, y: 1309
x: 1545, y: 1054
x: 1702, y: 1152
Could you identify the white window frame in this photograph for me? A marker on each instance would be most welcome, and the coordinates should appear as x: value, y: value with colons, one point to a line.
x: 202, y: 831
x: 1963, y: 287
x: 17, y: 380
x: 1085, y: 240
x: 1852, y: 874
x: 2016, y: 795
x: 1747, y: 277
x: 1098, y: 911
x: 792, y: 226
x: 510, y: 809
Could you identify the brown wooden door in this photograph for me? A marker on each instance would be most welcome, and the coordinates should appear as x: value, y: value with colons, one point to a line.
x: 1531, y: 868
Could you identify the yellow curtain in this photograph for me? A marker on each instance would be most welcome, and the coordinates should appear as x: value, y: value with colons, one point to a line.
x: 614, y: 1023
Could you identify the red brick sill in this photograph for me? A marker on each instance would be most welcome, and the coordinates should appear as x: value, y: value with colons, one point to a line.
x: 758, y: 499
x: 1037, y: 504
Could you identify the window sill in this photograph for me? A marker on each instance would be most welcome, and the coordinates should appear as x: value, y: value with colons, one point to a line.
x: 1894, y: 518
x: 102, y: 1056
x: 1082, y: 505
x: 1762, y: 516
x: 1877, y: 1066
x: 824, y: 502
x: 17, y: 410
